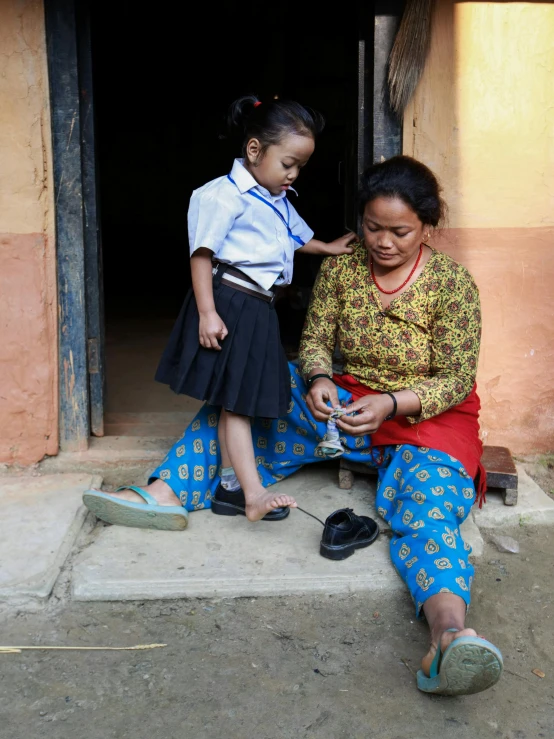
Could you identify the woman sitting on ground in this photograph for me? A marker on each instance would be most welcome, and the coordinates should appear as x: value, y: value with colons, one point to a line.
x: 407, y: 321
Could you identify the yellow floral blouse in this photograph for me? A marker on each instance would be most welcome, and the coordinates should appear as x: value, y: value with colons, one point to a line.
x: 427, y: 340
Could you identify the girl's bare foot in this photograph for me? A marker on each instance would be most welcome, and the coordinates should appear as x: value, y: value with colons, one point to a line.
x: 259, y: 504
x: 446, y: 638
x: 159, y: 490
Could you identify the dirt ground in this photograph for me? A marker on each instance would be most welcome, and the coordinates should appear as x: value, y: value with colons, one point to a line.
x: 337, y: 667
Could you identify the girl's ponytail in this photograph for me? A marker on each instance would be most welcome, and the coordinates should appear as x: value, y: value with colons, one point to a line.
x: 269, y: 122
x: 239, y: 111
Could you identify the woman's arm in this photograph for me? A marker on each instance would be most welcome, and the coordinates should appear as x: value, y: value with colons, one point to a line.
x: 455, y: 340
x: 211, y: 326
x: 455, y: 344
x: 318, y: 339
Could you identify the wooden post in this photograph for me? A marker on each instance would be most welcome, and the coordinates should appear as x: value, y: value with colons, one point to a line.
x: 387, y: 128
x: 66, y: 145
x: 91, y: 223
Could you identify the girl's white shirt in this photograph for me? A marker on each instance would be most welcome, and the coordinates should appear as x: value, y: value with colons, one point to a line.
x: 243, y: 231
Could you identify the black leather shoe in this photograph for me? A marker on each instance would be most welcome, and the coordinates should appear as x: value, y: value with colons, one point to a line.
x: 227, y: 503
x: 345, y: 532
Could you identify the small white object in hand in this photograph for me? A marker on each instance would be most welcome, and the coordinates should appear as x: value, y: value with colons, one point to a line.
x: 331, y: 445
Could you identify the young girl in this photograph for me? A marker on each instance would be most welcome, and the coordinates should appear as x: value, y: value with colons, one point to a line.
x: 225, y: 347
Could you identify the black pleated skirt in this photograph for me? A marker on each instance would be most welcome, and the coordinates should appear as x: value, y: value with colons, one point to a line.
x: 249, y: 376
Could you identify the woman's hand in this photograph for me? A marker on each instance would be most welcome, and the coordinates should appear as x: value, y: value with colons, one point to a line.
x: 211, y: 329
x: 372, y: 411
x: 322, y: 392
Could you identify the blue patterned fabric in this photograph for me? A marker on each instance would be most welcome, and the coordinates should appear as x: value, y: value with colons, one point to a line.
x: 424, y: 494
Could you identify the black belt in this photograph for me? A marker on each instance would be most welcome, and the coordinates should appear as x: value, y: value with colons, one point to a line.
x: 236, y: 279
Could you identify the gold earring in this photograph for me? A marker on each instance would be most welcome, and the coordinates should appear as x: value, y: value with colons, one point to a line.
x: 427, y: 236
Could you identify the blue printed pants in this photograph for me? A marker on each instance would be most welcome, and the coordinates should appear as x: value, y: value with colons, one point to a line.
x: 423, y: 494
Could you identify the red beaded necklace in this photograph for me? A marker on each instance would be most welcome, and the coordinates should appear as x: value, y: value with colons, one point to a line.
x: 408, y: 278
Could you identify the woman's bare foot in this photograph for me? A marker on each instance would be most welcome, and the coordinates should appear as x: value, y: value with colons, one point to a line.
x: 159, y: 490
x: 446, y: 638
x: 259, y: 504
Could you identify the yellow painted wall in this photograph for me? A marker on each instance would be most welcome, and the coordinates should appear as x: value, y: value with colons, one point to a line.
x: 28, y: 324
x: 483, y: 119
x: 505, y: 113
x: 25, y: 148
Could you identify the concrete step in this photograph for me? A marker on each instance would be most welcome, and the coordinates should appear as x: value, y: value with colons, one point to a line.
x: 41, y: 519
x: 221, y: 556
x: 119, y: 460
x: 534, y: 506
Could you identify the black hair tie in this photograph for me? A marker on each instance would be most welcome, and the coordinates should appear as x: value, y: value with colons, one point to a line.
x: 310, y: 381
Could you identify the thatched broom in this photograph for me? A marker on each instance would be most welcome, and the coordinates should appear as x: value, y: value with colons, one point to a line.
x: 409, y: 53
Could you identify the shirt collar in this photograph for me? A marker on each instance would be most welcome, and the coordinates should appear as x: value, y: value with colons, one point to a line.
x: 245, y: 182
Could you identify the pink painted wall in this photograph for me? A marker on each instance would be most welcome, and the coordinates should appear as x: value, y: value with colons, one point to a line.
x: 28, y: 325
x: 514, y: 269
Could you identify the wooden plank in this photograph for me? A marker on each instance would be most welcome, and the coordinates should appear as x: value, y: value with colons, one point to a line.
x: 64, y: 104
x: 497, y: 461
x: 346, y: 479
x: 363, y: 150
x: 387, y: 128
x: 359, y: 117
x: 500, y: 467
x: 359, y: 467
x: 92, y: 237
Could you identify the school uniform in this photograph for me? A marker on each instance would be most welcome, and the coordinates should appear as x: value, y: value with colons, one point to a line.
x: 253, y: 236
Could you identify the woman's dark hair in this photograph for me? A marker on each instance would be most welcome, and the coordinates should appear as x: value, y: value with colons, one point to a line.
x: 405, y: 178
x: 270, y: 122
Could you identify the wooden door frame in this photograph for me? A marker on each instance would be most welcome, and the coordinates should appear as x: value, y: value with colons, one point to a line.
x: 61, y: 39
x: 80, y: 320
x: 78, y: 253
x: 387, y: 127
x: 378, y: 132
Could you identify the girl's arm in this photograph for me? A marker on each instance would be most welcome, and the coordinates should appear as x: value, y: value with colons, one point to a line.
x: 332, y: 249
x: 211, y: 326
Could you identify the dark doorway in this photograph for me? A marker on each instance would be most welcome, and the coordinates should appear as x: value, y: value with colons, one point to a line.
x: 161, y: 92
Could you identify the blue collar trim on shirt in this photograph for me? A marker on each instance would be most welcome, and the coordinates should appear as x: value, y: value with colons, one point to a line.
x: 242, y: 177
x: 244, y: 181
x: 278, y: 212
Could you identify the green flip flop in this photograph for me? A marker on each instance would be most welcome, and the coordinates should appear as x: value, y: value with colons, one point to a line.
x: 469, y: 665
x: 148, y: 515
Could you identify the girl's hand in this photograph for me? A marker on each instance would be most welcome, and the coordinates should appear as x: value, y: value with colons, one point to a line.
x: 340, y: 246
x: 333, y: 248
x: 372, y: 411
x: 211, y: 329
x: 322, y: 392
